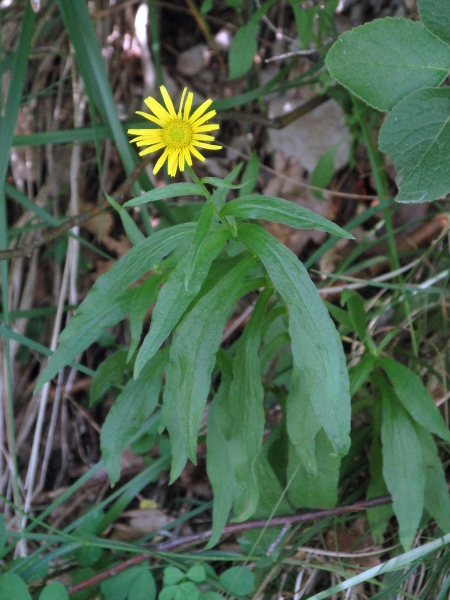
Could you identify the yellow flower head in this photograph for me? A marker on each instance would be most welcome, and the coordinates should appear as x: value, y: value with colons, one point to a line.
x: 179, y: 134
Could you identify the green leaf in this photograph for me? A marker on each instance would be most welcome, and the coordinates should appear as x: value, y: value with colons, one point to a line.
x: 219, y: 462
x: 118, y: 586
x: 323, y: 172
x: 383, y: 61
x: 173, y: 190
x: 243, y: 50
x: 221, y: 183
x: 314, y: 491
x: 132, y: 407
x: 435, y: 15
x: 250, y: 175
x: 13, y: 587
x: 219, y: 195
x: 174, y: 299
x: 358, y: 316
x: 54, y: 591
x: 416, y: 135
x: 272, y: 501
x: 192, y: 359
x: 301, y: 421
x: 415, y: 398
x: 172, y: 576
x: 378, y: 516
x: 197, y: 574
x: 238, y: 581
x: 109, y: 374
x: 107, y: 303
x: 201, y: 232
x: 246, y: 405
x: 437, y: 499
x: 403, y: 468
x: 316, y: 347
x: 133, y: 232
x: 360, y: 373
x: 143, y: 298
x: 143, y: 587
x: 278, y: 210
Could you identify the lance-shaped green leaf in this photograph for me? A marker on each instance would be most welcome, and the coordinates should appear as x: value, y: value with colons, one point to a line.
x: 142, y: 300
x: 383, y: 61
x: 403, y: 468
x: 437, y: 499
x: 132, y: 407
x: 316, y: 347
x: 435, y: 15
x: 192, y: 359
x: 133, y: 232
x: 415, y: 398
x: 246, y: 405
x: 174, y: 299
x: 278, y: 210
x: 173, y: 190
x: 301, y: 421
x: 109, y: 374
x: 201, y: 231
x: 319, y: 490
x: 416, y: 135
x: 107, y: 303
x: 219, y: 463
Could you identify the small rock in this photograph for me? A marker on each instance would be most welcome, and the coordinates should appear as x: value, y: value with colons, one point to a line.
x: 192, y: 61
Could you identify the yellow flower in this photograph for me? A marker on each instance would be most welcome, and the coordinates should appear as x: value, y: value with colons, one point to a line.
x: 180, y: 134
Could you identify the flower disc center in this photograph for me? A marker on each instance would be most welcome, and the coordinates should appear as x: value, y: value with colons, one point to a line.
x: 177, y: 134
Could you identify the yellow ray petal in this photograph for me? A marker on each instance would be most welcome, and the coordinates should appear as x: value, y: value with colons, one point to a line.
x: 207, y: 146
x: 181, y: 160
x: 159, y: 110
x: 203, y: 137
x: 151, y: 148
x: 196, y: 153
x: 201, y: 120
x: 181, y: 102
x: 160, y: 161
x: 188, y: 106
x: 168, y: 101
x: 150, y: 117
x: 210, y: 127
x: 200, y: 110
x: 187, y: 156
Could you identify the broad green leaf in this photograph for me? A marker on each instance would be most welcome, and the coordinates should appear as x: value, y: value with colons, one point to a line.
x: 118, y: 586
x: 301, y: 421
x: 201, y: 231
x: 172, y: 575
x: 403, y: 467
x: 143, y: 298
x: 197, y: 574
x: 173, y: 190
x: 173, y: 299
x: 272, y: 500
x: 133, y: 232
x: 383, y: 61
x: 13, y: 587
x: 435, y: 15
x: 238, y: 581
x: 319, y: 490
x: 109, y: 374
x: 54, y: 591
x: 132, y: 407
x: 107, y: 303
x: 221, y: 183
x: 143, y: 587
x: 278, y: 210
x: 316, y: 348
x: 219, y: 463
x: 416, y: 135
x: 415, y: 398
x: 437, y: 499
x: 192, y: 359
x: 246, y: 405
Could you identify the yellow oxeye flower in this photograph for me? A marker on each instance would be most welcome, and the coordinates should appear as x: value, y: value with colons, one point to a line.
x: 180, y: 134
